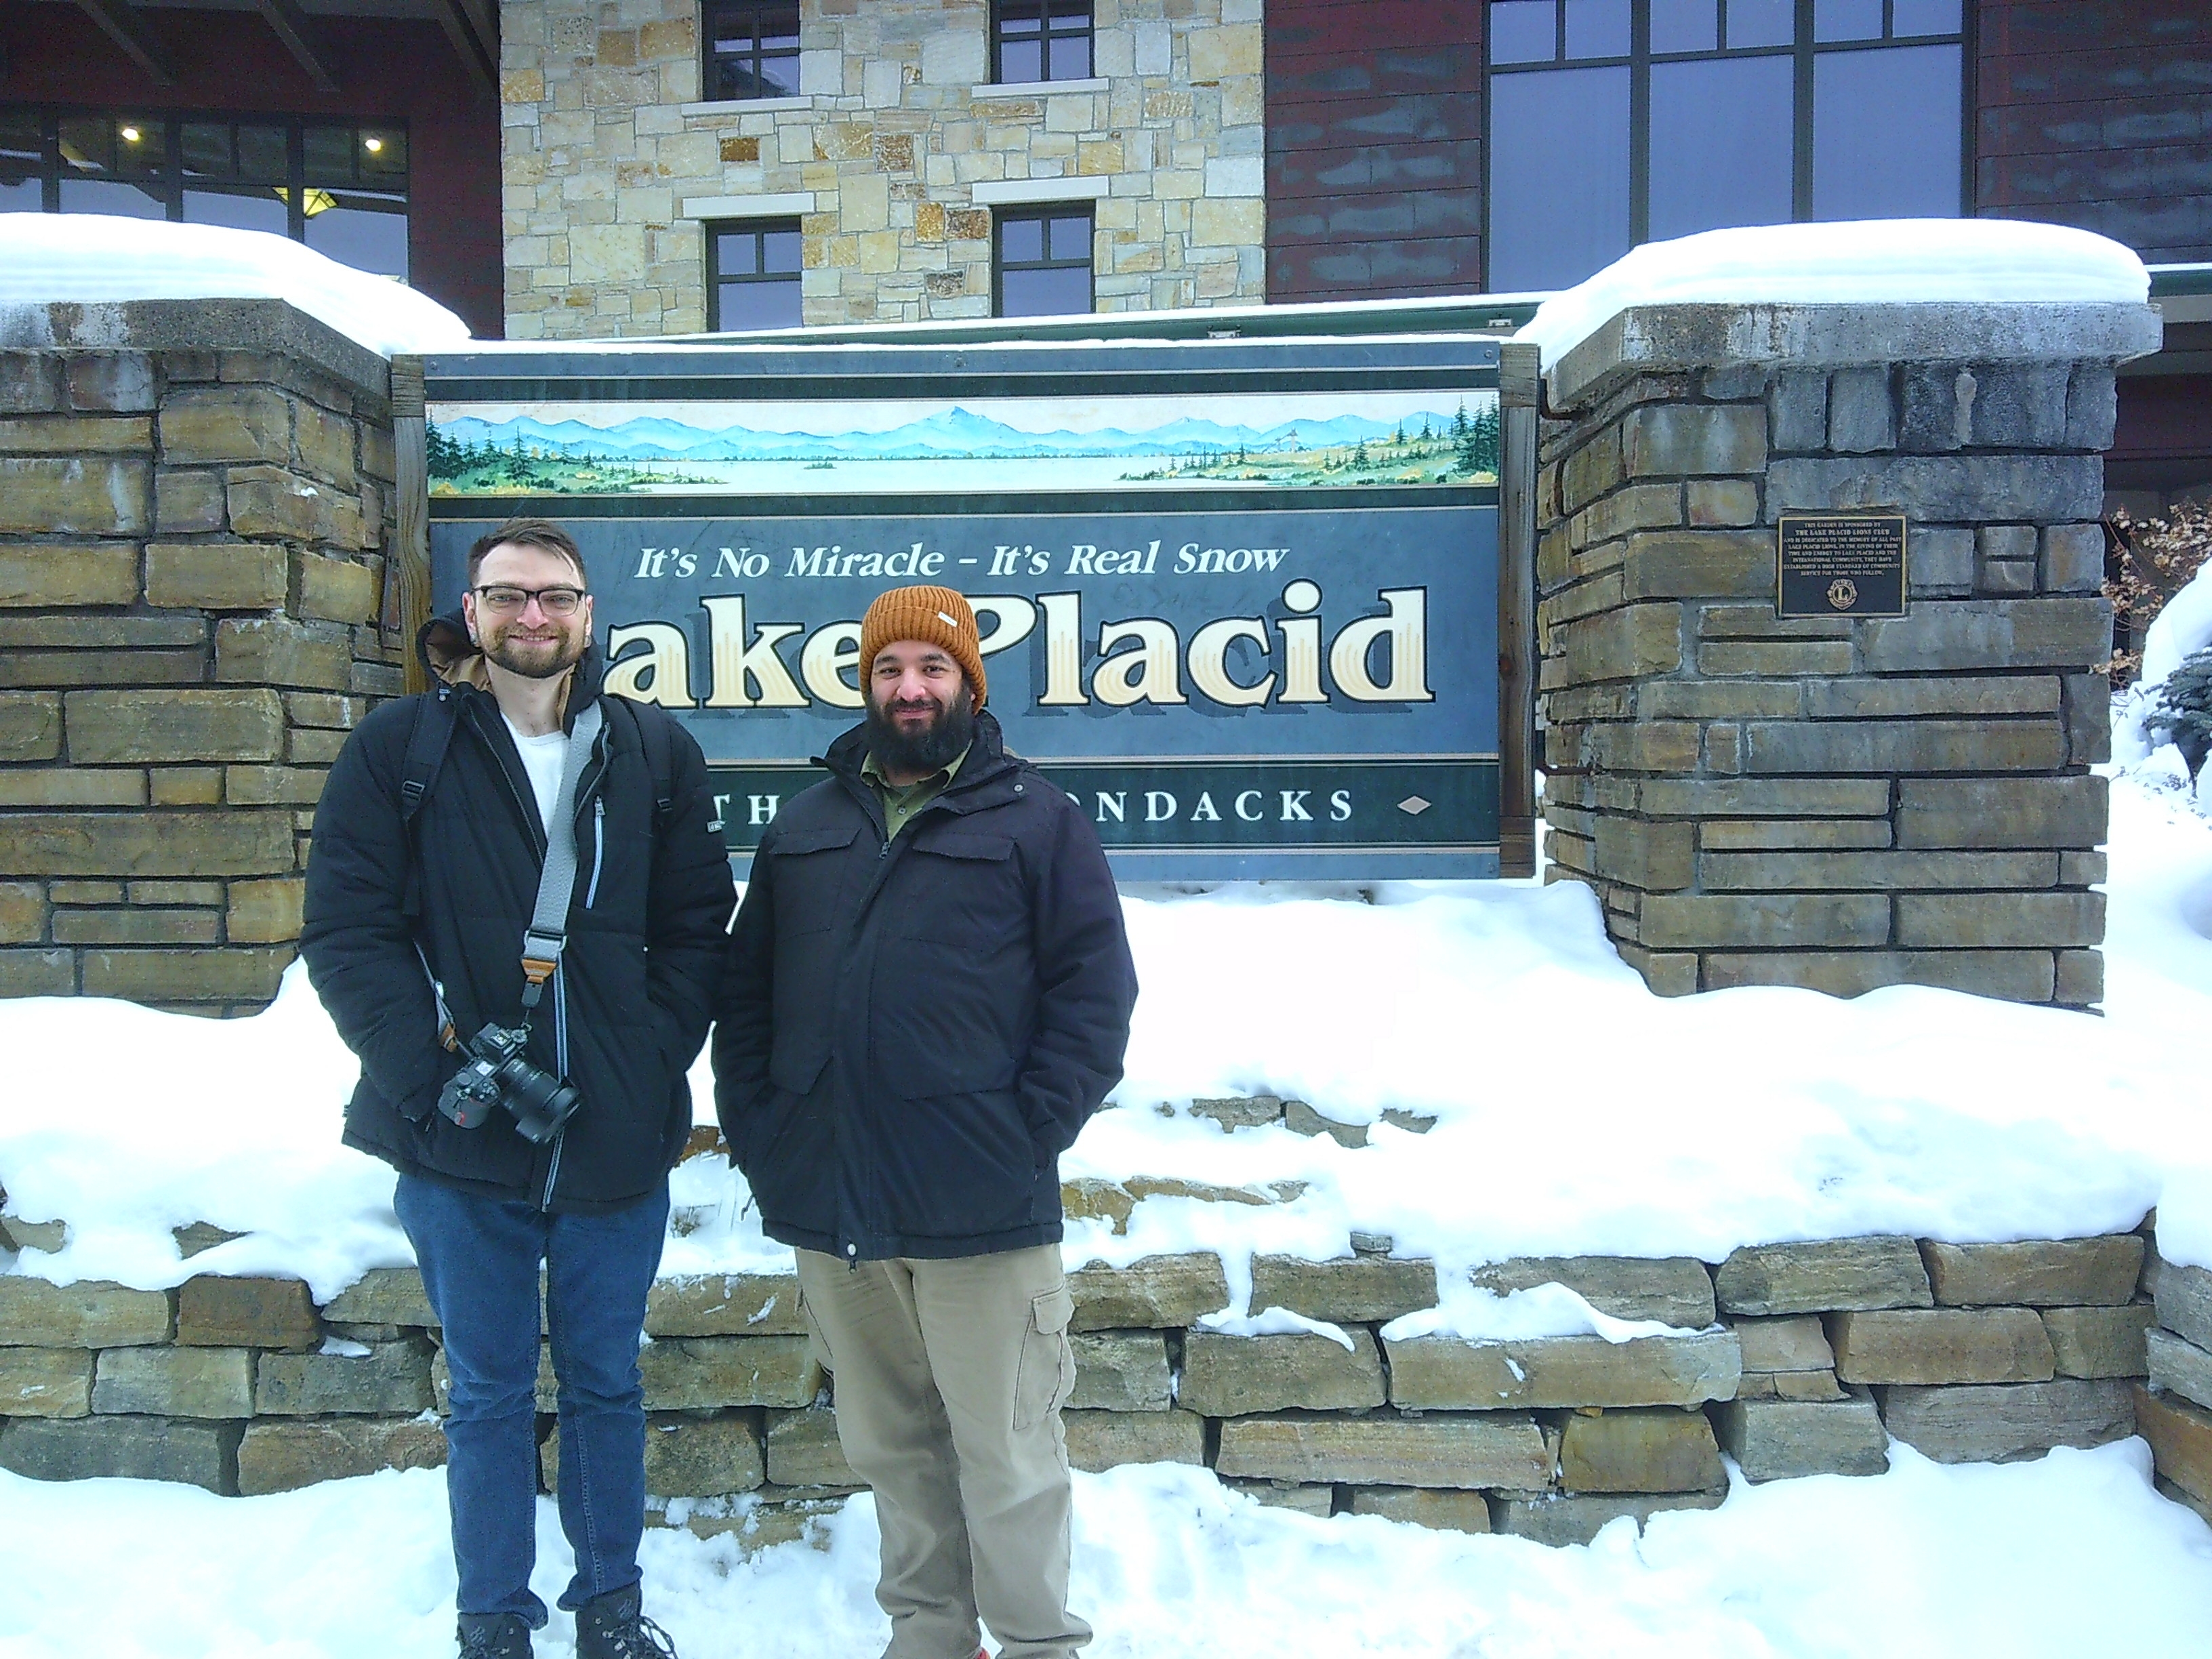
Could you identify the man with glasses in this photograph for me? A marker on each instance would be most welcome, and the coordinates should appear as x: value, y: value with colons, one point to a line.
x: 515, y: 908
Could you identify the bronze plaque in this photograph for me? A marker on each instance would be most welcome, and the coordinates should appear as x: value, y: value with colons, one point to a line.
x: 1839, y: 564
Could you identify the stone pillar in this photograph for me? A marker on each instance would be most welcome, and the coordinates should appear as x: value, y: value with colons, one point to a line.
x: 1836, y: 802
x: 195, y: 499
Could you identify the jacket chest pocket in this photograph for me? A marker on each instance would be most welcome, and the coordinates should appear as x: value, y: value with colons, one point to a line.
x: 963, y: 889
x: 809, y: 878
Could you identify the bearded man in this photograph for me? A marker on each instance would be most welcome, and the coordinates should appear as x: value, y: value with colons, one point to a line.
x: 928, y: 992
x: 516, y: 852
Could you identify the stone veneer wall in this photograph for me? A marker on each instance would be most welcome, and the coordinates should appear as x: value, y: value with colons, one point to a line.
x: 2173, y: 1410
x: 1802, y: 1358
x: 1841, y: 803
x: 612, y: 162
x: 194, y: 503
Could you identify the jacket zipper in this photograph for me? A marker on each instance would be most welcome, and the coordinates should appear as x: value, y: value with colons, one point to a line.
x: 599, y: 849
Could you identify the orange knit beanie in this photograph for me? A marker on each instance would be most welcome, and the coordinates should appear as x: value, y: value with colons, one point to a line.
x: 936, y: 615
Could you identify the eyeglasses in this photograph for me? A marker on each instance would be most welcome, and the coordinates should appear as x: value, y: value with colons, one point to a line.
x: 553, y: 601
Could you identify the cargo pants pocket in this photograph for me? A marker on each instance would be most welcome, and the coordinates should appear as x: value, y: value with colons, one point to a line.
x: 1045, y: 1373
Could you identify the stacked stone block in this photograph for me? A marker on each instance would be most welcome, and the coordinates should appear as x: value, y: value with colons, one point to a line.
x: 889, y: 159
x: 2173, y: 1408
x: 1793, y: 1360
x: 1834, y: 801
x: 195, y: 505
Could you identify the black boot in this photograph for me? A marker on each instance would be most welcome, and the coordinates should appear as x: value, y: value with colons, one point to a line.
x: 611, y: 1626
x: 493, y: 1636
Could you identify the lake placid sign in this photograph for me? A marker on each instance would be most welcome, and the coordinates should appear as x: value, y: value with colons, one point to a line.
x: 1251, y: 631
x: 1839, y: 564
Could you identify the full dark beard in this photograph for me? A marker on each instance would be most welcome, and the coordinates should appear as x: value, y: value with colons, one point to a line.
x: 539, y: 666
x: 931, y: 750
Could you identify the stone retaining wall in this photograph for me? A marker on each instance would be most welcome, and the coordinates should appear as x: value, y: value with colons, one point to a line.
x: 1836, y: 801
x: 1805, y: 1360
x: 2173, y: 1409
x: 196, y: 503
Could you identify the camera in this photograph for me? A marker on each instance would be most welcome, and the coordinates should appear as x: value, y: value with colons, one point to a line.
x: 496, y: 1074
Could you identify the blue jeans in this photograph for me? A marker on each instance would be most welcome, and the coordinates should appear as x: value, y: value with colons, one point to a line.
x: 480, y: 1259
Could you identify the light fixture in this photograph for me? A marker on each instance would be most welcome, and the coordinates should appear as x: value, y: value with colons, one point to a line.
x: 372, y: 144
x: 130, y: 135
x: 317, y: 201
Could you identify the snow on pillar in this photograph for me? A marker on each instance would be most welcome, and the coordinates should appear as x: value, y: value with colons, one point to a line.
x: 1840, y: 801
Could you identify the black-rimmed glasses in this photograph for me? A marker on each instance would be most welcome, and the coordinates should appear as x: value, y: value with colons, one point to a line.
x: 553, y: 601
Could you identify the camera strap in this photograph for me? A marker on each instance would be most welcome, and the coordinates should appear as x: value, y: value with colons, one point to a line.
x: 542, y: 943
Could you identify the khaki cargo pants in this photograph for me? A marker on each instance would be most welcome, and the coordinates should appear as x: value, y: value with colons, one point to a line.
x: 950, y: 1377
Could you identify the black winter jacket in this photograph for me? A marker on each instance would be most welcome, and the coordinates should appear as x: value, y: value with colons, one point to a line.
x: 911, y: 1032
x: 631, y: 1002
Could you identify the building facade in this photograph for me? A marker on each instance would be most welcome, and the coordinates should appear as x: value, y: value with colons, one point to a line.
x: 570, y: 169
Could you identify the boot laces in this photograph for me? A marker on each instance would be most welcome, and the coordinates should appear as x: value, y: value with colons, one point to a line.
x: 640, y: 1638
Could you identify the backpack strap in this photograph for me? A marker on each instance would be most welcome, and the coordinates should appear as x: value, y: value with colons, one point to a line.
x: 427, y: 743
x: 652, y: 725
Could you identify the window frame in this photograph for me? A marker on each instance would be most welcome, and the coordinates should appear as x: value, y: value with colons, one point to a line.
x: 759, y: 229
x: 1043, y: 213
x: 1804, y: 52
x: 167, y: 182
x: 1046, y: 34
x: 710, y: 90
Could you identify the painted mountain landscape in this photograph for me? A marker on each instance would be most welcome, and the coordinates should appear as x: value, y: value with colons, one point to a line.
x: 1334, y: 443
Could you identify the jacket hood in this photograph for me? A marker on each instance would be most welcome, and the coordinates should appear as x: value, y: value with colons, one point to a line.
x: 453, y: 657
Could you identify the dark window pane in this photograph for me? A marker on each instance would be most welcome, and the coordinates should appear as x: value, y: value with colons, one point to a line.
x: 88, y: 144
x: 1597, y: 28
x: 1720, y: 145
x: 1924, y: 17
x: 1558, y: 176
x: 1071, y: 239
x: 779, y: 77
x: 237, y: 210
x: 757, y: 305
x: 1021, y: 60
x: 365, y: 238
x: 734, y: 254
x: 111, y: 196
x: 1068, y: 13
x: 1043, y: 293
x: 140, y: 146
x: 1524, y: 32
x: 207, y: 149
x: 330, y: 155
x: 1847, y: 20
x: 262, y: 155
x: 1021, y: 240
x: 1885, y: 134
x: 1071, y: 59
x: 781, y: 250
x: 1684, y: 26
x: 383, y: 155
x: 1762, y: 23
x: 19, y: 136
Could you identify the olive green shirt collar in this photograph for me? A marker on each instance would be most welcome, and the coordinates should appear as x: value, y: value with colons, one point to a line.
x: 901, y: 804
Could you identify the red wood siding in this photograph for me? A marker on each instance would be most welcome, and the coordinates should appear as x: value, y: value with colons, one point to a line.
x: 1375, y: 171
x: 388, y: 71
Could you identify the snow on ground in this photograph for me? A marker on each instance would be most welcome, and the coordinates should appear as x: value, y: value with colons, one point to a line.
x: 1576, y: 1113
x: 95, y: 258
x: 1858, y: 262
x: 2073, y: 1555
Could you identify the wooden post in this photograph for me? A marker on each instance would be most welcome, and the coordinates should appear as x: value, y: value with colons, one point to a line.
x: 407, y: 575
x: 1517, y: 390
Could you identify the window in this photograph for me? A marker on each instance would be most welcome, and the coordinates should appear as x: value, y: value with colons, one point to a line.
x: 752, y: 50
x: 752, y: 275
x: 1040, y: 40
x: 342, y: 190
x: 1616, y: 122
x: 1041, y: 263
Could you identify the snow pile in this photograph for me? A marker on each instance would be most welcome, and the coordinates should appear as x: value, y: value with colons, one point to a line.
x: 1574, y: 1112
x: 2182, y: 626
x: 2071, y: 1555
x: 1855, y: 262
x: 94, y: 259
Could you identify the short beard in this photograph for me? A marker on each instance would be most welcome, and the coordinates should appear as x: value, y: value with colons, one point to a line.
x: 931, y: 751
x: 543, y: 668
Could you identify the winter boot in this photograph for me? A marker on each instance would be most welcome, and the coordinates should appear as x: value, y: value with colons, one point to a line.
x: 611, y: 1626
x: 493, y: 1636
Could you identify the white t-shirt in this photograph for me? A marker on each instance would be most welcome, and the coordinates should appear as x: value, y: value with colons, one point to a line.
x: 542, y: 758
